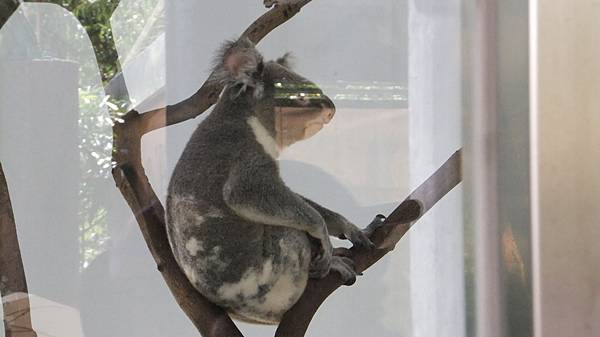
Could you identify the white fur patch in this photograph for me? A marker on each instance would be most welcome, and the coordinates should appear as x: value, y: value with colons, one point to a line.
x: 190, y: 273
x: 263, y: 137
x: 283, y: 294
x: 248, y: 285
x: 193, y: 246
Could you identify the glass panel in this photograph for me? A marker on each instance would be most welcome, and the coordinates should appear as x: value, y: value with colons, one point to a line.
x: 67, y: 73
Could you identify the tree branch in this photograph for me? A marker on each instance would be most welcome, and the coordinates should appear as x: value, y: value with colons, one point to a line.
x: 17, y: 312
x: 295, y: 322
x: 7, y: 8
x: 129, y: 174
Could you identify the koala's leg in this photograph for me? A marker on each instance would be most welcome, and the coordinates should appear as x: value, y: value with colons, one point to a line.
x: 257, y: 193
x: 340, y: 227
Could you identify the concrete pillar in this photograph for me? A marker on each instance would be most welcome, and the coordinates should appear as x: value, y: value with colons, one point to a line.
x: 436, y: 246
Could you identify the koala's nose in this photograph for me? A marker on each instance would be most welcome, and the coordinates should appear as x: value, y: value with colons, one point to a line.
x: 328, y: 109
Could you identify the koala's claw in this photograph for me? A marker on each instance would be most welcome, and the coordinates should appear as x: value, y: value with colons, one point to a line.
x: 270, y: 3
x: 377, y: 222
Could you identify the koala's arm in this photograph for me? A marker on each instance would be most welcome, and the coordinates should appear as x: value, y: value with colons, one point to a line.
x: 336, y: 223
x: 255, y: 191
x: 339, y: 226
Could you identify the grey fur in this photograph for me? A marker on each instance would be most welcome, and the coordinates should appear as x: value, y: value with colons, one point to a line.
x: 243, y: 238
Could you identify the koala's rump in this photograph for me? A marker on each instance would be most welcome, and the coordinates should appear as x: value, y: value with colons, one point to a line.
x: 257, y: 272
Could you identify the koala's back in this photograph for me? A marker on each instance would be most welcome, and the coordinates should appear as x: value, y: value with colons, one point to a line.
x: 253, y: 270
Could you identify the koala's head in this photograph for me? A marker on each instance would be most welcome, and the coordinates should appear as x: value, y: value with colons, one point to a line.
x: 290, y: 107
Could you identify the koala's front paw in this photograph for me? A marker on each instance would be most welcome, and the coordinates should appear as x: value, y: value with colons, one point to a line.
x: 359, y: 238
x: 345, y: 267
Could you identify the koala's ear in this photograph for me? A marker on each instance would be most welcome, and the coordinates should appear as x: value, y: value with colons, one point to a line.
x: 238, y: 62
x: 287, y: 60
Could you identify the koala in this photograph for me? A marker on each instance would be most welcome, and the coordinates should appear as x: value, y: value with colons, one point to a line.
x: 244, y: 239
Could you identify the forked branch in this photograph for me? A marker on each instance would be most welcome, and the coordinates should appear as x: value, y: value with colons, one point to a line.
x: 130, y: 177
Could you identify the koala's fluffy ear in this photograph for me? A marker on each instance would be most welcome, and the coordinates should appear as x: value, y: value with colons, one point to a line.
x: 239, y: 63
x: 287, y: 60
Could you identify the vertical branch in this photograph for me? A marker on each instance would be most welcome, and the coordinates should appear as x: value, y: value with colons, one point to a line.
x: 210, y: 320
x: 17, y: 313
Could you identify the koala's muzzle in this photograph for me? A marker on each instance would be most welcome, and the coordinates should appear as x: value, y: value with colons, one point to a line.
x: 328, y: 109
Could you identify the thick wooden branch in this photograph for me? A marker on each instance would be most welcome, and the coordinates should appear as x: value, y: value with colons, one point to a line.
x: 17, y: 312
x: 295, y: 322
x: 129, y: 174
x: 7, y: 8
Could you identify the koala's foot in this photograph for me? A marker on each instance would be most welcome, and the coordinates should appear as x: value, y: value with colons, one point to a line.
x: 320, y: 265
x: 270, y: 3
x: 345, y: 267
x: 360, y: 237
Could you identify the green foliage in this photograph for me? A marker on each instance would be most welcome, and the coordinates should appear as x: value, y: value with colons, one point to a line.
x: 95, y: 18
